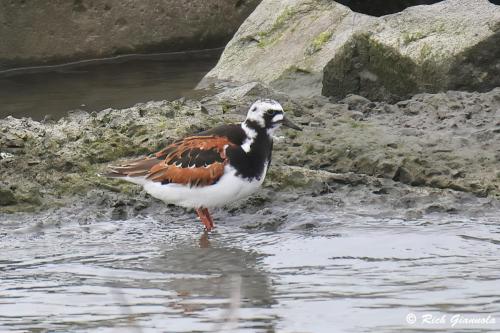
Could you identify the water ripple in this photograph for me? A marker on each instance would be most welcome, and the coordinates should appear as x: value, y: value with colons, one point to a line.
x: 366, y: 276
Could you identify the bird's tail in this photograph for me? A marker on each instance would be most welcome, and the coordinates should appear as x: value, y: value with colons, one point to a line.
x: 133, y: 168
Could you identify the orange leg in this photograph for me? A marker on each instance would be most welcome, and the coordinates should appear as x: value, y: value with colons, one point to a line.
x: 207, y: 214
x: 205, y: 218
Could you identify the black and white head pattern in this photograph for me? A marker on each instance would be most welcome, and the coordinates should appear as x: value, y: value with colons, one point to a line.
x: 266, y: 113
x: 264, y: 116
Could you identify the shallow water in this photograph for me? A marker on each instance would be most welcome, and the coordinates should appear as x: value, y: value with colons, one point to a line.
x: 348, y: 274
x: 94, y: 86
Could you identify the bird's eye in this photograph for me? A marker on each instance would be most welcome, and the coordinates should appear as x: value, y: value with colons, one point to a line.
x: 272, y: 112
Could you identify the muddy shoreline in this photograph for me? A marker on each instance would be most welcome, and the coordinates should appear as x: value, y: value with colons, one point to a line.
x: 434, y: 153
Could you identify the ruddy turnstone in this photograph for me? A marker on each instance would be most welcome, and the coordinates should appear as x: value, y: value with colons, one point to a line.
x: 212, y: 168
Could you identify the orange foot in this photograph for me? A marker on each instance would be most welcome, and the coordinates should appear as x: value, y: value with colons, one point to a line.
x: 205, y: 218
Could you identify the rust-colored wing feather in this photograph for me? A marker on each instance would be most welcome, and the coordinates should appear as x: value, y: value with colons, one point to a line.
x: 195, y: 160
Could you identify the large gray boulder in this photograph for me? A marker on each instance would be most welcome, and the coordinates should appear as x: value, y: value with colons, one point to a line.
x: 313, y: 47
x: 287, y: 43
x: 40, y: 32
x: 452, y: 45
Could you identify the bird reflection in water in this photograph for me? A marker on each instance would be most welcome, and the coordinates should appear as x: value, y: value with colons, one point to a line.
x: 204, y: 242
x: 209, y: 274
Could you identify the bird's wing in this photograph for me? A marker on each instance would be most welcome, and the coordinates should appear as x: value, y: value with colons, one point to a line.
x: 195, y: 160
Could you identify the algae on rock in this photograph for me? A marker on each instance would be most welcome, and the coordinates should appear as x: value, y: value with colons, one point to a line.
x: 452, y: 44
x: 447, y: 46
x: 280, y: 36
x: 60, y: 160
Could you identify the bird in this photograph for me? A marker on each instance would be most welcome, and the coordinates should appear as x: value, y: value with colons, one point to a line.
x: 212, y: 168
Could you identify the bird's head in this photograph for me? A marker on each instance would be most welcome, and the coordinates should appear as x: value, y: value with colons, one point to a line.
x: 268, y: 114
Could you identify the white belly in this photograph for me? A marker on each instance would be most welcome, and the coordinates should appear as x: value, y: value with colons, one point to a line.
x: 228, y: 189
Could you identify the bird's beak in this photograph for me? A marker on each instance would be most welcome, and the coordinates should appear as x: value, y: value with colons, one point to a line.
x: 286, y: 122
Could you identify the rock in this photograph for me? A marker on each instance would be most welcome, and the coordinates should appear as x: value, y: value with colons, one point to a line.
x: 355, y: 115
x: 308, y: 48
x: 287, y: 43
x: 252, y: 89
x: 266, y: 223
x: 228, y: 99
x: 355, y: 102
x: 413, y: 214
x: 42, y: 32
x: 58, y: 163
x: 59, y: 160
x: 6, y: 197
x: 5, y: 156
x: 450, y: 45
